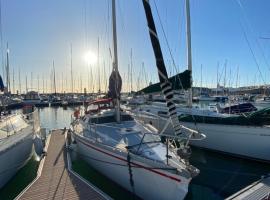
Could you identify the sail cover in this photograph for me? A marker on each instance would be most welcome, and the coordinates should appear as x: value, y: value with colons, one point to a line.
x: 165, y: 85
x: 179, y: 82
x: 115, y: 85
x: 2, y: 87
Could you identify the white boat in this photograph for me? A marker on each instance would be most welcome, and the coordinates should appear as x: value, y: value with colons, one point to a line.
x: 249, y: 141
x: 262, y: 102
x: 204, y: 97
x: 33, y: 98
x: 129, y: 152
x: 132, y: 155
x: 17, y: 135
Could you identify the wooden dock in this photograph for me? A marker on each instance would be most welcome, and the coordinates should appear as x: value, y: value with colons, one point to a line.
x: 55, y: 178
x: 260, y: 190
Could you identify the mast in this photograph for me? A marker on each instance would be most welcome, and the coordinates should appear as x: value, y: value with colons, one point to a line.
x: 71, y: 71
x: 20, y: 87
x: 26, y: 88
x: 115, y: 58
x: 131, y: 69
x: 31, y: 83
x: 43, y: 83
x: 38, y: 82
x: 98, y: 70
x: 201, y: 80
x: 13, y: 81
x: 80, y: 83
x: 189, y: 56
x: 88, y: 78
x: 54, y: 83
x: 217, y: 79
x: 7, y: 71
x: 62, y: 83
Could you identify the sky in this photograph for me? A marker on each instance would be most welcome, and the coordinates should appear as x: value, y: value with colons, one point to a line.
x: 231, y: 34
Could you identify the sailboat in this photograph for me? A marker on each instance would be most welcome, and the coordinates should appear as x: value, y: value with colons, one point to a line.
x: 127, y: 151
x: 18, y: 133
x: 245, y: 135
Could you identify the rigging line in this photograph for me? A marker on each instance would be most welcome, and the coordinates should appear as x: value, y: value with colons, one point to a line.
x: 181, y: 25
x: 252, y: 30
x: 167, y: 43
x: 253, y: 55
x: 85, y: 24
x: 1, y: 38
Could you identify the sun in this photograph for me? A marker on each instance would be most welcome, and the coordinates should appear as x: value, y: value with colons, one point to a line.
x: 90, y: 57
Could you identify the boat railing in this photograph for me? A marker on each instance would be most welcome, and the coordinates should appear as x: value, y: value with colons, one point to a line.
x: 191, y: 134
x: 33, y: 118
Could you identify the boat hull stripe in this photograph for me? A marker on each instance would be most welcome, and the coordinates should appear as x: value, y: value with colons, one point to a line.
x: 135, y: 164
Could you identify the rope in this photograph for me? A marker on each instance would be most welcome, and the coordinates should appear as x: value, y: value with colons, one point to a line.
x: 130, y: 174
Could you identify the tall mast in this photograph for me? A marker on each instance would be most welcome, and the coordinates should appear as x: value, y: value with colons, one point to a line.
x: 31, y: 83
x: 20, y: 87
x: 98, y: 70
x: 26, y: 88
x: 42, y: 83
x: 62, y: 82
x: 81, y: 83
x: 189, y: 56
x: 201, y: 80
x: 217, y: 78
x: 38, y: 82
x: 115, y: 57
x: 131, y: 70
x: 54, y: 83
x: 7, y: 71
x: 71, y: 71
x: 88, y: 79
x: 13, y: 81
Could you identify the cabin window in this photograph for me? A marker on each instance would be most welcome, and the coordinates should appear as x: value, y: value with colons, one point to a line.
x: 162, y: 113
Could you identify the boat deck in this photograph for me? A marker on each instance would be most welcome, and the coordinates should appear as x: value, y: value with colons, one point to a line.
x: 55, y: 179
x: 259, y: 190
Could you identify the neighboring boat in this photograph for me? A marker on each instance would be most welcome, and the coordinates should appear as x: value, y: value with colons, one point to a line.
x: 34, y: 99
x: 245, y: 135
x: 74, y: 101
x: 204, y: 97
x: 237, y: 108
x: 262, y: 102
x: 130, y: 152
x: 55, y: 101
x: 17, y: 136
x: 64, y: 103
x: 240, y: 135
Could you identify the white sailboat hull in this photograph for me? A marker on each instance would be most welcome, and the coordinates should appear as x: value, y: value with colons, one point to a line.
x: 244, y: 141
x: 148, y: 183
x: 15, y: 151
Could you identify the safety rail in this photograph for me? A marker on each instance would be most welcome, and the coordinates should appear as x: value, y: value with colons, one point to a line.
x: 192, y: 133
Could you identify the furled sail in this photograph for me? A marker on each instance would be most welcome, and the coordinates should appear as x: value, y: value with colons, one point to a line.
x: 179, y: 81
x: 165, y: 84
x: 115, y: 85
x: 2, y: 87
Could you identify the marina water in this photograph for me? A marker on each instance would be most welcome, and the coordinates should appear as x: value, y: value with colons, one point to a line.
x: 221, y: 175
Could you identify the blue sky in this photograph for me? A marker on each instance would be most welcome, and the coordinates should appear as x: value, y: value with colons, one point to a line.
x: 39, y: 32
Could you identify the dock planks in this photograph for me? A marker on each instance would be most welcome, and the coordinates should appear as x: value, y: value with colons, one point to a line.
x: 55, y: 180
x: 259, y: 190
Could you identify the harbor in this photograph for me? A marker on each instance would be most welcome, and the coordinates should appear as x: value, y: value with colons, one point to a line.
x: 225, y: 174
x: 103, y: 100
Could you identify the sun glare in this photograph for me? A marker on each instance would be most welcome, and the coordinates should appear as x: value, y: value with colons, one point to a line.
x: 90, y: 57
